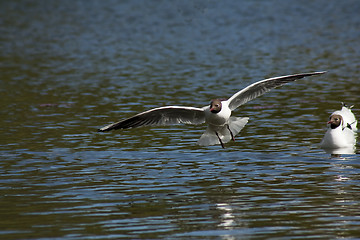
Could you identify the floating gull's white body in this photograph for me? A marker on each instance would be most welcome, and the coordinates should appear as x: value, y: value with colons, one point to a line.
x: 340, y: 137
x: 221, y: 127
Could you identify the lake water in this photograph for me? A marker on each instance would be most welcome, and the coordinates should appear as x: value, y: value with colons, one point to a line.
x: 71, y: 67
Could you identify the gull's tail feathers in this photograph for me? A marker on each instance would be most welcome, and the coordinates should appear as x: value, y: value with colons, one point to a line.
x: 235, y: 125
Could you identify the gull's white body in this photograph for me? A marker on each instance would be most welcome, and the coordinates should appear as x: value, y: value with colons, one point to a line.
x: 221, y: 117
x: 342, y: 139
x: 221, y: 127
x: 218, y: 123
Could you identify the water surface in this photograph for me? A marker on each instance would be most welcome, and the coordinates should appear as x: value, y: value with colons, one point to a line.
x: 70, y: 67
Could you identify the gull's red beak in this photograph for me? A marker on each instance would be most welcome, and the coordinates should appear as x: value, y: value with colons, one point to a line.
x: 213, y: 110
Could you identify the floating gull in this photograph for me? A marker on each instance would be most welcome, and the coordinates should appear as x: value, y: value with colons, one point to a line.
x: 340, y: 137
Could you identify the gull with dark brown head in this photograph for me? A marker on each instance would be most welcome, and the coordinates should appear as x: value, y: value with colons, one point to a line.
x: 221, y: 126
x: 340, y: 137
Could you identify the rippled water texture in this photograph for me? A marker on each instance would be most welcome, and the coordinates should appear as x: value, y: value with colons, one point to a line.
x: 70, y: 67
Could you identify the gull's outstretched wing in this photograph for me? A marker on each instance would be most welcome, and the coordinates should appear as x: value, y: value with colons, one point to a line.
x: 259, y: 88
x: 161, y: 116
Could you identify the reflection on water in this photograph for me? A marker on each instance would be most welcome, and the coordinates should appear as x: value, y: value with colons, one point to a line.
x: 227, y: 218
x: 340, y: 151
x: 69, y: 66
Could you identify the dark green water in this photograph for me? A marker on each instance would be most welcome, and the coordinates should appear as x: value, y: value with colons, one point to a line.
x: 70, y: 67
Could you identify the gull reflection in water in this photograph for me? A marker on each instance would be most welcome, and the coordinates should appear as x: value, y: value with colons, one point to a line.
x: 231, y: 222
x: 227, y: 218
x: 337, y: 152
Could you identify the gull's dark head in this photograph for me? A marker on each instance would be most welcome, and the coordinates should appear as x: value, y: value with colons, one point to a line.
x: 215, y: 106
x: 335, y: 121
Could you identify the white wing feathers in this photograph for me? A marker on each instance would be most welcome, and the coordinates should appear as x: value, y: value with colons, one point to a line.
x: 161, y: 116
x: 259, y: 88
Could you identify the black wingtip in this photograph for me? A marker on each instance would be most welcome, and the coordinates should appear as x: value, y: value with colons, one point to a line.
x: 104, y: 129
x: 313, y: 73
x: 303, y: 75
x: 320, y: 72
x: 110, y: 127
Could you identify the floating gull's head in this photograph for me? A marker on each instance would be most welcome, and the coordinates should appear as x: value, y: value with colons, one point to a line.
x: 335, y: 121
